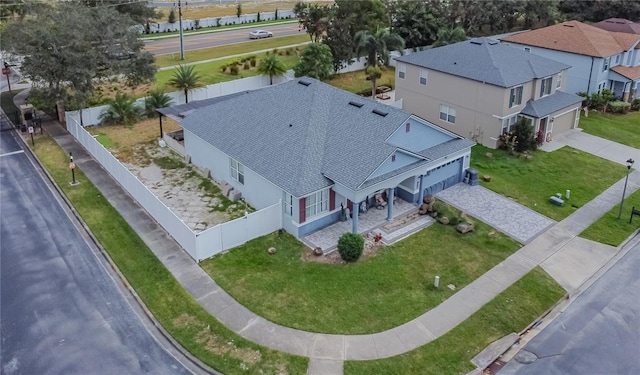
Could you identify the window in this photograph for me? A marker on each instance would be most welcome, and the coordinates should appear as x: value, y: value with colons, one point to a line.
x: 423, y: 77
x: 317, y: 203
x: 527, y: 49
x: 508, y: 122
x: 545, y: 86
x: 402, y: 70
x: 237, y: 171
x: 393, y: 158
x: 288, y: 204
x: 618, y: 56
x: 605, y: 64
x: 559, y: 83
x: 407, y: 127
x: 516, y: 96
x: 601, y: 86
x: 447, y: 114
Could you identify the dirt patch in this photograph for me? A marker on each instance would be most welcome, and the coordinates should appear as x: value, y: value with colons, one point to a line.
x: 216, y: 345
x: 371, y: 248
x: 184, y: 320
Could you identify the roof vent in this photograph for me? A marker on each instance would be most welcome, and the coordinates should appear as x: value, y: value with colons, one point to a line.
x: 356, y: 104
x: 304, y: 83
x: 492, y: 42
x: 477, y: 41
x: 567, y: 25
x: 380, y: 113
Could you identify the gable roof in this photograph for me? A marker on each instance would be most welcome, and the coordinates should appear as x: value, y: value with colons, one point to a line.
x: 619, y: 25
x: 303, y: 135
x: 627, y: 71
x: 486, y: 60
x: 577, y: 37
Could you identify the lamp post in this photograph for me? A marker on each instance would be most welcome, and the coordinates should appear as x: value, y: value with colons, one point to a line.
x: 624, y: 191
x: 72, y: 166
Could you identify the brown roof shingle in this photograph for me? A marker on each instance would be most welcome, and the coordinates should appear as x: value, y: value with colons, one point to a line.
x: 577, y: 37
x: 619, y: 25
x: 627, y: 71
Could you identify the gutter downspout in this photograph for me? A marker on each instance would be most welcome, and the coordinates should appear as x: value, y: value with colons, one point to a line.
x: 590, y: 73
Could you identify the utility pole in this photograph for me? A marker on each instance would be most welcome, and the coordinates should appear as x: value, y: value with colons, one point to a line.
x: 181, y: 34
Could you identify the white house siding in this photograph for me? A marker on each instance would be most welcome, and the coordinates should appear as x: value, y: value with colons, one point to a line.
x: 582, y: 68
x: 258, y: 191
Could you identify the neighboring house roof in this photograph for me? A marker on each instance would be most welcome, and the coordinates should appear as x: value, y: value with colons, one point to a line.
x: 627, y: 72
x: 296, y: 133
x: 486, y: 60
x: 619, y: 25
x: 577, y: 37
x: 550, y: 104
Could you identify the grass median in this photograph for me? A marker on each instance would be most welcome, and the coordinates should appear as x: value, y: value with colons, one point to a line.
x: 182, y: 316
x: 511, y: 311
x: 613, y: 231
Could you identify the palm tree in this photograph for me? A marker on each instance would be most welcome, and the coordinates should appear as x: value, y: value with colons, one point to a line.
x: 122, y: 110
x: 184, y: 78
x: 271, y: 65
x: 450, y: 36
x: 376, y: 47
x: 154, y: 100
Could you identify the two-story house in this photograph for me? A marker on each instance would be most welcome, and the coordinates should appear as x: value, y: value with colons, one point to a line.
x: 599, y: 59
x: 479, y: 88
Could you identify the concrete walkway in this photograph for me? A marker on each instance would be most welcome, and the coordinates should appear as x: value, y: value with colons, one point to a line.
x: 328, y: 351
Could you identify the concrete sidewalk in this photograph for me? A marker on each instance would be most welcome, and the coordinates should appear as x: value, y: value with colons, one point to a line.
x: 328, y: 351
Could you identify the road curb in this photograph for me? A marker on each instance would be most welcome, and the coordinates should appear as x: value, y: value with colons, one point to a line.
x: 195, y: 362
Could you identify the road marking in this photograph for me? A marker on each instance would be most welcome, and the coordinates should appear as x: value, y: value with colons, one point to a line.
x: 12, y: 153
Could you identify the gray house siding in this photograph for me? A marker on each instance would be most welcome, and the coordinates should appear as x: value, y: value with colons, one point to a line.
x: 585, y: 73
x: 257, y: 191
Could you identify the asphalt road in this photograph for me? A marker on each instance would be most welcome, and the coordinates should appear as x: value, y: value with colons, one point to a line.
x: 60, y: 310
x: 208, y: 40
x: 598, y: 334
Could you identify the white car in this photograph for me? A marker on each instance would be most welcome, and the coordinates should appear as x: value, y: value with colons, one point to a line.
x: 259, y: 34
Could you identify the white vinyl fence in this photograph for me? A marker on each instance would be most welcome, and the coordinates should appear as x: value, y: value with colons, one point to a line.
x: 198, y: 245
x: 91, y: 116
x: 244, y: 19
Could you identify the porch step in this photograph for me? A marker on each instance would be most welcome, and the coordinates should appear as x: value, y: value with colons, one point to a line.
x: 396, y: 234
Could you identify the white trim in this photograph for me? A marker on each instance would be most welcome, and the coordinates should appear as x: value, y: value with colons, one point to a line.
x: 565, y: 112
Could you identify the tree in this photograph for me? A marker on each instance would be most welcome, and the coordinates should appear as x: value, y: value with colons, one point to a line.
x: 172, y: 17
x: 185, y: 79
x: 68, y: 49
x: 272, y: 66
x: 540, y: 13
x: 314, y: 18
x: 239, y: 10
x: 154, y: 100
x: 450, y: 36
x: 523, y: 132
x: 139, y: 11
x: 414, y: 22
x: 316, y: 62
x: 598, y: 10
x: 340, y: 42
x: 122, y: 110
x: 376, y: 47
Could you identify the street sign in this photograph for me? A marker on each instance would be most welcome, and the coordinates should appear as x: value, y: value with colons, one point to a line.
x: 30, y: 129
x: 72, y: 165
x: 6, y: 71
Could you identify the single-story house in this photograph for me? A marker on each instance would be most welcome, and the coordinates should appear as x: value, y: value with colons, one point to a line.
x: 319, y: 149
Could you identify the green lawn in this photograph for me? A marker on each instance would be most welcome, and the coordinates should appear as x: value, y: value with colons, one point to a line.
x: 623, y: 129
x: 371, y: 295
x: 210, y: 72
x: 609, y: 229
x: 532, y: 181
x: 182, y: 316
x: 356, y: 82
x: 511, y: 311
x: 230, y: 50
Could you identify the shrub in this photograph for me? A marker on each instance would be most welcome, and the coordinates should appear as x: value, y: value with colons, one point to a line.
x: 618, y: 107
x: 635, y: 105
x: 350, y: 246
x: 234, y: 70
x: 246, y: 65
x: 523, y: 131
x: 223, y: 68
x: 253, y: 61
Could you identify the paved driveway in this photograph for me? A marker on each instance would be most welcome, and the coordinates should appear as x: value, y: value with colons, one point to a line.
x: 507, y: 216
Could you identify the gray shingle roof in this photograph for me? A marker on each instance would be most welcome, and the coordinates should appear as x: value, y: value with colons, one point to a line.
x: 486, y: 60
x: 178, y: 112
x: 294, y: 135
x: 550, y: 104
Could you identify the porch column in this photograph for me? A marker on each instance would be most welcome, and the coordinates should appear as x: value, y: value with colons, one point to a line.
x: 421, y: 192
x: 354, y: 212
x: 390, y: 204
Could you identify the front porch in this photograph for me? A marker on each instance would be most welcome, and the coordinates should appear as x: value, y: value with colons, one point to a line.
x: 372, y: 220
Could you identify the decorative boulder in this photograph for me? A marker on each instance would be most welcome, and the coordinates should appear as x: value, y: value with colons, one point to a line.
x: 318, y: 251
x: 486, y: 178
x: 423, y: 210
x: 464, y: 227
x: 444, y: 220
x: 271, y: 250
